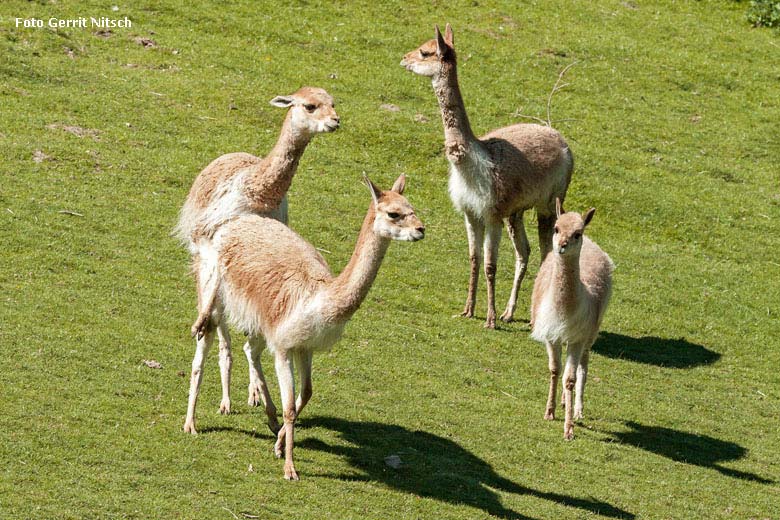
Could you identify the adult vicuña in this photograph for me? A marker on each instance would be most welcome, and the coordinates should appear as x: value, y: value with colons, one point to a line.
x: 496, y: 177
x: 276, y: 287
x: 240, y: 184
x: 571, y: 293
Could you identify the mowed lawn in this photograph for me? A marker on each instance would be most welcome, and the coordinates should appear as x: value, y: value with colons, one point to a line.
x: 672, y: 112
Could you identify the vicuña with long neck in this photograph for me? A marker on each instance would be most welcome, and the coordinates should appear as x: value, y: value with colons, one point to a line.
x: 494, y: 178
x: 238, y: 184
x: 278, y: 289
x: 570, y: 296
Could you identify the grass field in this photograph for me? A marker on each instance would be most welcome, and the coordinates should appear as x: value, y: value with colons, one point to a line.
x: 672, y: 112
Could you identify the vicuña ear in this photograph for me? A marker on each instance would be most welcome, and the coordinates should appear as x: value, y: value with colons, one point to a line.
x: 448, y: 37
x: 441, y: 45
x: 375, y: 192
x: 588, y: 216
x: 282, y: 101
x: 558, y: 207
x: 399, y: 184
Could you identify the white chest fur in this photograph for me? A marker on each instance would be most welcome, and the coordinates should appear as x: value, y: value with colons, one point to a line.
x: 554, y: 324
x: 471, y: 185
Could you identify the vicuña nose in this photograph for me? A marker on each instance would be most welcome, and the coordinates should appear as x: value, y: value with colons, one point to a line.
x: 421, y: 229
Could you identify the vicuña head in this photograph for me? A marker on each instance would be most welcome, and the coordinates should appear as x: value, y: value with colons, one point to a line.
x: 395, y: 218
x: 432, y: 57
x: 312, y: 110
x: 569, y: 229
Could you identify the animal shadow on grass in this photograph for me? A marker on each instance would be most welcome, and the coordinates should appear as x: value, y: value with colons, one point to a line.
x: 431, y: 466
x: 690, y: 448
x: 672, y: 353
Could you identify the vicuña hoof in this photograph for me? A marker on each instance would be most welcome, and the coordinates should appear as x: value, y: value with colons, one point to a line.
x: 224, y: 407
x: 189, y: 427
x: 468, y: 312
x: 290, y: 473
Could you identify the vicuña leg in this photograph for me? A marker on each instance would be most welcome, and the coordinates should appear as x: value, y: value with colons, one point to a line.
x: 475, y: 232
x: 546, y: 228
x: 258, y: 388
x: 554, y: 364
x: 225, y: 365
x: 196, y: 378
x: 303, y: 361
x: 573, y: 356
x: 516, y: 229
x: 579, y: 388
x: 284, y: 372
x: 207, y: 278
x: 492, y: 241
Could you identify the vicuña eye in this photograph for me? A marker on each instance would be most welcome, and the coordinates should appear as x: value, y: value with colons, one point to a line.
x: 556, y: 229
x: 424, y: 54
x: 577, y: 236
x: 393, y: 215
x: 310, y: 108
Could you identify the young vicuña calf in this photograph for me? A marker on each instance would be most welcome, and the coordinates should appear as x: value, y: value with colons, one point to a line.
x: 570, y: 296
x: 276, y: 287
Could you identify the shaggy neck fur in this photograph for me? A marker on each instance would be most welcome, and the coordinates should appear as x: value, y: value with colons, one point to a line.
x: 349, y: 289
x: 459, y: 140
x: 271, y: 178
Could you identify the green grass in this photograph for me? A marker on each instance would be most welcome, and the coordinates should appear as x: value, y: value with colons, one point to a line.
x: 672, y: 112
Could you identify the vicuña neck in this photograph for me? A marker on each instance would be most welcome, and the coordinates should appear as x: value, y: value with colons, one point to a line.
x: 458, y: 137
x: 272, y: 177
x: 566, y: 282
x: 348, y: 290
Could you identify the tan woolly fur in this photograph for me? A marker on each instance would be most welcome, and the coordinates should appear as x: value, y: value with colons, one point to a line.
x: 570, y: 296
x: 278, y: 289
x: 494, y: 178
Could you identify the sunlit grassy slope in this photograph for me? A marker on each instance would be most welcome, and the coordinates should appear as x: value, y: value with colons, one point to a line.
x: 672, y: 111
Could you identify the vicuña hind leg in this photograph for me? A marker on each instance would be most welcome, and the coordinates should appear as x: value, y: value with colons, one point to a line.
x: 516, y: 229
x: 196, y: 377
x: 207, y: 278
x: 225, y: 365
x: 546, y: 226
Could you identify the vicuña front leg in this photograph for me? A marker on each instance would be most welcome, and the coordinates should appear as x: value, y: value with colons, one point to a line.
x: 304, y: 361
x: 573, y: 355
x: 284, y: 372
x: 475, y: 231
x: 582, y: 377
x: 492, y: 241
x: 258, y: 388
x: 554, y: 364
